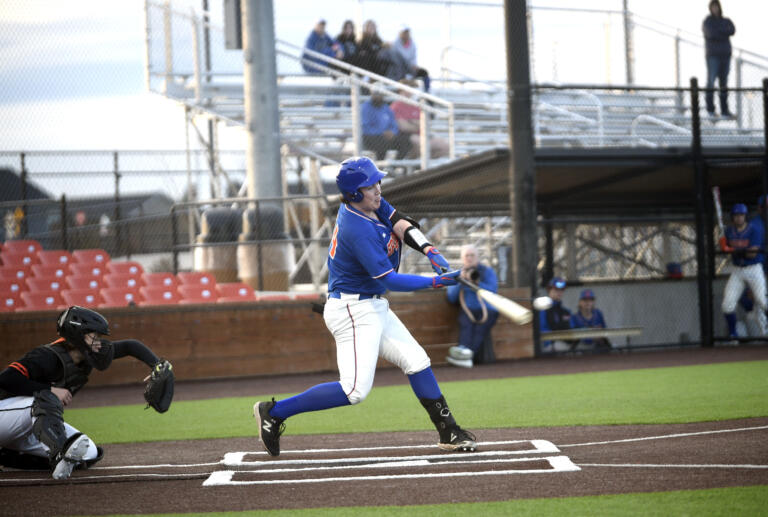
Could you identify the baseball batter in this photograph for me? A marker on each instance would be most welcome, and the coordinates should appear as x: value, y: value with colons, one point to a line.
x: 363, y: 259
x: 35, y: 389
x: 744, y: 242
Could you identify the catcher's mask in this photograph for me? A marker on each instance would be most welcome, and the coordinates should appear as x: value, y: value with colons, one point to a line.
x: 74, y: 323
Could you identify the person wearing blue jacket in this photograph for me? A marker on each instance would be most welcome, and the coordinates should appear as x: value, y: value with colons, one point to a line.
x: 476, y: 318
x: 717, y: 32
x: 319, y: 41
x: 380, y: 131
x: 589, y: 317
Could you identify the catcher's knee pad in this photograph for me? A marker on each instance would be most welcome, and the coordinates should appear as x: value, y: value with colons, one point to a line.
x: 48, y: 427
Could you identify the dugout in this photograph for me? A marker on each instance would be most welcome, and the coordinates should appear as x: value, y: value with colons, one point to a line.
x: 649, y: 190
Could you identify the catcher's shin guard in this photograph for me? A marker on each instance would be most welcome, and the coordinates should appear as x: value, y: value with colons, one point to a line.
x: 48, y: 427
x: 452, y: 437
x: 71, y: 456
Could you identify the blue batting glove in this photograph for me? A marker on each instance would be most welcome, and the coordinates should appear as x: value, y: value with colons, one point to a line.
x: 446, y: 279
x: 439, y: 264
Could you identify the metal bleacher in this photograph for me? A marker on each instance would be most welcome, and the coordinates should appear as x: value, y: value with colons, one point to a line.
x: 315, y: 111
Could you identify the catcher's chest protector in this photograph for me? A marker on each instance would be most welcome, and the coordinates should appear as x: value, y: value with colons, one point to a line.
x: 75, y: 376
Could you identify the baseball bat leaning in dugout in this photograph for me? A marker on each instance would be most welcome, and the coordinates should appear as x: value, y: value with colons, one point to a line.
x: 718, y: 209
x: 516, y: 312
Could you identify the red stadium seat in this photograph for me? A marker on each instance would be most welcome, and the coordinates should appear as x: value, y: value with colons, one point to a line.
x: 159, y: 295
x: 18, y: 259
x: 119, y: 280
x: 274, y: 297
x: 51, y: 283
x: 84, y: 282
x: 43, y: 271
x: 12, y: 287
x: 94, y: 269
x: 82, y: 297
x: 160, y: 279
x: 90, y: 256
x: 197, y: 278
x: 15, y: 272
x: 196, y: 293
x: 41, y: 301
x: 124, y: 267
x: 54, y: 257
x: 10, y: 302
x: 120, y: 297
x: 21, y: 246
x: 235, y: 292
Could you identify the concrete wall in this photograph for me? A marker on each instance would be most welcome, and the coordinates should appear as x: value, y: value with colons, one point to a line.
x: 667, y: 310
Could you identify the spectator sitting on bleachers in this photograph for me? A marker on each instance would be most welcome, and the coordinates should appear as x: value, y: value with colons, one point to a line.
x: 348, y: 43
x: 408, y: 121
x: 380, y: 132
x: 403, y: 59
x: 320, y: 42
x: 372, y: 52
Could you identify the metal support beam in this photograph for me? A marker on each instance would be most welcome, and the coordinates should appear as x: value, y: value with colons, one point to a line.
x: 704, y: 245
x: 522, y: 175
x: 264, y: 174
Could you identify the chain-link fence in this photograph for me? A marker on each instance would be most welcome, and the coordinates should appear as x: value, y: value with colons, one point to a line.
x: 187, y: 210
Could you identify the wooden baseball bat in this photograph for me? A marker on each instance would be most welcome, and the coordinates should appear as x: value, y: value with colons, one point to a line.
x: 718, y: 209
x: 516, y: 312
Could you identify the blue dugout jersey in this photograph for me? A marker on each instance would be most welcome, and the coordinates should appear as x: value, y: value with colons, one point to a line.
x: 362, y: 250
x: 741, y: 240
x: 578, y: 321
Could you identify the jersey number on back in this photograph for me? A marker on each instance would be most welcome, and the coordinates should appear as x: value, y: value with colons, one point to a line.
x: 334, y: 242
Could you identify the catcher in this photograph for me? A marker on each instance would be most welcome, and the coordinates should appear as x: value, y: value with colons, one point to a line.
x: 35, y: 389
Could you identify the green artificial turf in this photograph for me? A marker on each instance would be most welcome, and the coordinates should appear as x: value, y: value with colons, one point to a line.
x: 695, y: 503
x: 642, y: 396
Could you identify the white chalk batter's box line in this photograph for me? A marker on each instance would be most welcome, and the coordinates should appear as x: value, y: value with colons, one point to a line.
x: 556, y: 463
x: 237, y: 459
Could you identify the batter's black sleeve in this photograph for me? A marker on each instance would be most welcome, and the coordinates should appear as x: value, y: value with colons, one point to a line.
x: 135, y: 349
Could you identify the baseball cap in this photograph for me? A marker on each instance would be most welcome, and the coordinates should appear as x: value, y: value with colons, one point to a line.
x: 739, y: 208
x: 587, y: 294
x: 557, y: 283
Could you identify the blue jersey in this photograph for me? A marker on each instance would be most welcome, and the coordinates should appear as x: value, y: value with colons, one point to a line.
x: 362, y: 250
x: 759, y: 224
x: 750, y: 237
x: 578, y: 320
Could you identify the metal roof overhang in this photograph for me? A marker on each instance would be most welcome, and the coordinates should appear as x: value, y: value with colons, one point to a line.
x: 615, y: 182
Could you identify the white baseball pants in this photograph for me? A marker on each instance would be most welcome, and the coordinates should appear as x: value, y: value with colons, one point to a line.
x: 16, y: 429
x: 365, y: 330
x: 741, y: 277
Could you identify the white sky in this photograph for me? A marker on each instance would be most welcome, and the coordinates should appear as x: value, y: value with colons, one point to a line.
x: 73, y: 71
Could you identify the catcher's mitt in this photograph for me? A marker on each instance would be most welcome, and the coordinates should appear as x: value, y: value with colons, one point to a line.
x: 159, y: 389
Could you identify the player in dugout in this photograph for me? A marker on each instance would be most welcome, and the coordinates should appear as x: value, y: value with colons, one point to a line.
x: 744, y: 242
x: 557, y: 317
x: 35, y: 389
x: 363, y: 259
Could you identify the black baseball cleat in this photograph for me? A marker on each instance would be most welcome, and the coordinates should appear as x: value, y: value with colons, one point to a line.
x: 457, y: 439
x: 270, y: 428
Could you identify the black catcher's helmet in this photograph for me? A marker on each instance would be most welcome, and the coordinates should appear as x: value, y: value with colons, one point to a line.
x: 74, y: 323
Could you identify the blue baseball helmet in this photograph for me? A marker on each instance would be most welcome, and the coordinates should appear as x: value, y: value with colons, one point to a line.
x: 739, y: 208
x: 355, y: 173
x: 557, y: 283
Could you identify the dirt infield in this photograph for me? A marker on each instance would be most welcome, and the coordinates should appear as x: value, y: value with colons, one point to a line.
x: 406, y: 468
